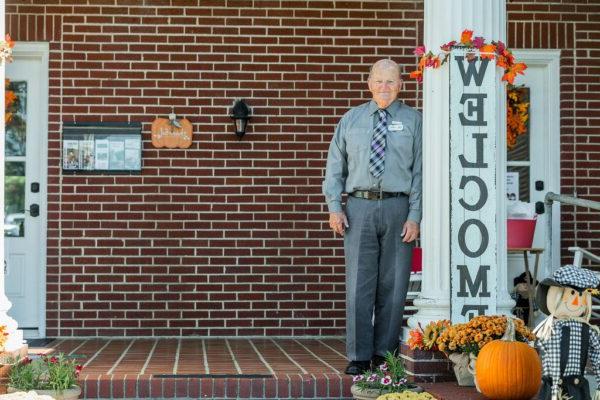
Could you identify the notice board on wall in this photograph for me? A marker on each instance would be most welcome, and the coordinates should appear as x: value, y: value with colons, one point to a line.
x: 102, y: 148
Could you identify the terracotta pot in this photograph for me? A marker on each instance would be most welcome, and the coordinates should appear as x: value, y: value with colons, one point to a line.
x: 67, y: 394
x: 368, y: 394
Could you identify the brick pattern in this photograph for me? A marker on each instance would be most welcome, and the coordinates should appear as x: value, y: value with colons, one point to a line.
x: 571, y: 26
x: 111, y: 371
x: 230, y: 237
x: 128, y: 368
x: 427, y: 366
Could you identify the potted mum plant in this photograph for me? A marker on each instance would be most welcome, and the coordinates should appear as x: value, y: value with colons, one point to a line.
x: 389, y: 377
x: 55, y: 376
x: 462, y: 342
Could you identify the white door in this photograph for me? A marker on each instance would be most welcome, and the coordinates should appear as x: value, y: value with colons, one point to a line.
x: 25, y: 185
x: 536, y: 157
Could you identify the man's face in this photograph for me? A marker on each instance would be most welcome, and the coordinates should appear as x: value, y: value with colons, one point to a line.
x: 384, y: 84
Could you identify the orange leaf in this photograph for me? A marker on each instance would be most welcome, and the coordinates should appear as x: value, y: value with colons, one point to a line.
x: 10, y: 42
x: 488, y: 48
x: 510, y: 59
x: 465, y: 37
x: 418, y: 75
x: 512, y: 72
x: 501, y: 62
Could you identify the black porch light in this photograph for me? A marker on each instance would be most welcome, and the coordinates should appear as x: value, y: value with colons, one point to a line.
x: 240, y: 113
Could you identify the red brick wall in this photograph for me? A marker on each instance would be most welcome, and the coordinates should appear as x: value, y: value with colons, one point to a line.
x: 574, y: 27
x: 230, y: 237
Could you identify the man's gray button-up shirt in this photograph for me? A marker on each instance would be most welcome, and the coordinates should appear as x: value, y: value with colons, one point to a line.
x: 350, y: 149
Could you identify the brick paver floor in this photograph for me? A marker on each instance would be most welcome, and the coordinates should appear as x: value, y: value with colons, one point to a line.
x: 218, y: 369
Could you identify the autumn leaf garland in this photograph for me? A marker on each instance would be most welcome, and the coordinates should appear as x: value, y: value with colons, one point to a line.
x: 494, y: 50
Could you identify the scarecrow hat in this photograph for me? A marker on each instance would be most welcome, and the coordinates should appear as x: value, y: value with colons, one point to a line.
x: 570, y: 276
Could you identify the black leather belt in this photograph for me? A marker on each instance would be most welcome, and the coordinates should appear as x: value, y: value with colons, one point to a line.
x: 371, y: 195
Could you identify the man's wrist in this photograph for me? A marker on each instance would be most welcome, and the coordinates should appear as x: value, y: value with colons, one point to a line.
x: 335, y: 206
x: 415, y: 216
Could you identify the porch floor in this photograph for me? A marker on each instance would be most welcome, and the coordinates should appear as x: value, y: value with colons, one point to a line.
x: 218, y: 368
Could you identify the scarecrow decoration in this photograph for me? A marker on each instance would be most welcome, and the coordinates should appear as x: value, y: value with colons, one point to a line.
x: 566, y: 338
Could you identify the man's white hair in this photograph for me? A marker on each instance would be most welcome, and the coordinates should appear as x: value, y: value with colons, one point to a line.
x: 383, y: 64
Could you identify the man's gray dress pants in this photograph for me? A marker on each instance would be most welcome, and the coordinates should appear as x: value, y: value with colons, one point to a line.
x: 377, y: 274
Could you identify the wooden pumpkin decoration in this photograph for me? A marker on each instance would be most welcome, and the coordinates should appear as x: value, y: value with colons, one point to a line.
x: 171, y: 132
x: 507, y: 369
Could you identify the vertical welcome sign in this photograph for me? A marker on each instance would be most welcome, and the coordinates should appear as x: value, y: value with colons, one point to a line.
x: 472, y: 185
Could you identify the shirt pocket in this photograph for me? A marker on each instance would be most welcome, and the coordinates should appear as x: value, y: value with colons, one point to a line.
x: 399, y: 149
x: 358, y: 139
x: 358, y: 143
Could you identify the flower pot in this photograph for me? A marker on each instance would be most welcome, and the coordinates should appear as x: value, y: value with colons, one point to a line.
x: 463, y: 368
x: 368, y: 394
x: 67, y: 394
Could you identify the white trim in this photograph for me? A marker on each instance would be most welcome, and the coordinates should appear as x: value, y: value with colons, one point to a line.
x: 41, y: 51
x: 549, y: 58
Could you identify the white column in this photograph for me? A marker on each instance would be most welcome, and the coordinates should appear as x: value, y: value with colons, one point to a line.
x: 15, y: 336
x: 444, y: 21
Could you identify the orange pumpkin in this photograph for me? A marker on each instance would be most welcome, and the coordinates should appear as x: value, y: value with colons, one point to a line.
x: 507, y: 369
x: 171, y: 133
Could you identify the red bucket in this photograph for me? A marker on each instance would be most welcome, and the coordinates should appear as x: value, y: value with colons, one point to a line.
x: 417, y: 259
x: 519, y: 233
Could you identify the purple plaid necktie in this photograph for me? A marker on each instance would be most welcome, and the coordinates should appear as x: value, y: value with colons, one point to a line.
x: 377, y: 159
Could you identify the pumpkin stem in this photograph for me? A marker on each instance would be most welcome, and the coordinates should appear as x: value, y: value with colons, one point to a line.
x: 509, y: 333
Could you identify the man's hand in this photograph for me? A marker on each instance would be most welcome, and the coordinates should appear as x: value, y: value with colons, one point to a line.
x: 410, y: 231
x: 338, y: 222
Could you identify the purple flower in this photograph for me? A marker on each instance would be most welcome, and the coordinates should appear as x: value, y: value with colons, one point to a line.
x: 419, y: 51
x: 386, y: 380
x: 372, y: 378
x: 358, y: 378
x: 383, y: 367
x: 400, y: 382
x: 478, y: 41
x: 500, y: 47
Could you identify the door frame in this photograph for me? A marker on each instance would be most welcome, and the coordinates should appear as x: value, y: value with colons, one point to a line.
x: 40, y: 51
x: 549, y: 58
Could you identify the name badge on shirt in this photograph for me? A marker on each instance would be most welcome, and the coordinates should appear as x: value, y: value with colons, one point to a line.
x: 396, y: 126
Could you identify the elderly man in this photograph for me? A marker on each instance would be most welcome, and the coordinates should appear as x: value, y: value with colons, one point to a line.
x: 375, y: 157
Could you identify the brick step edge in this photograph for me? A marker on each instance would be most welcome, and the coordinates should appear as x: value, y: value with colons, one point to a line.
x: 295, y: 386
x: 426, y: 366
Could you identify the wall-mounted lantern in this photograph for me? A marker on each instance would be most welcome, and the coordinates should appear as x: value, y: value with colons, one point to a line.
x: 240, y: 113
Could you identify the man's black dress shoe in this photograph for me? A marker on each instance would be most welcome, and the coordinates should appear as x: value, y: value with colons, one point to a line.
x: 376, y: 361
x: 357, y: 367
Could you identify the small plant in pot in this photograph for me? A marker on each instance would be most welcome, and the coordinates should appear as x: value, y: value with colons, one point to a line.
x: 389, y: 377
x: 55, y: 376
